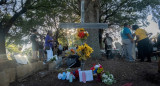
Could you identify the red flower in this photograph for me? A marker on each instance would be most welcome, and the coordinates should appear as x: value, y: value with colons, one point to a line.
x: 92, y: 68
x: 81, y: 34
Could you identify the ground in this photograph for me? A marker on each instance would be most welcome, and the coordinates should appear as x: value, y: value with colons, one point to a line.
x: 137, y: 73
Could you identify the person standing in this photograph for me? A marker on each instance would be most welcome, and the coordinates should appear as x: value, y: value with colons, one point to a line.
x: 34, y: 41
x: 127, y: 41
x: 41, y: 50
x: 108, y: 44
x: 143, y: 43
x: 49, y: 45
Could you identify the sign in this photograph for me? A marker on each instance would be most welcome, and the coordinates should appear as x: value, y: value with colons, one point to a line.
x: 88, y: 75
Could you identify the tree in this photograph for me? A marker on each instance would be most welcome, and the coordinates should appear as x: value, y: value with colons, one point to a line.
x: 6, y: 23
x: 14, y: 12
x: 18, y: 17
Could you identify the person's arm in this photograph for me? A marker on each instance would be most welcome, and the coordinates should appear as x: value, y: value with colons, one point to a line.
x: 134, y: 35
x: 129, y: 36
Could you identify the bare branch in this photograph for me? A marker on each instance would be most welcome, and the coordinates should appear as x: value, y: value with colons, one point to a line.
x: 14, y: 6
x: 16, y: 15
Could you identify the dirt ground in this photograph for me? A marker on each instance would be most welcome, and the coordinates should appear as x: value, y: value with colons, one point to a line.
x: 137, y: 73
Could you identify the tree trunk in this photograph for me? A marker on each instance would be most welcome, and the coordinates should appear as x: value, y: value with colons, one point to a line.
x: 2, y: 44
x: 92, y: 16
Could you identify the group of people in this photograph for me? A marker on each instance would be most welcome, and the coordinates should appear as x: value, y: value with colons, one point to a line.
x: 45, y: 50
x: 143, y: 43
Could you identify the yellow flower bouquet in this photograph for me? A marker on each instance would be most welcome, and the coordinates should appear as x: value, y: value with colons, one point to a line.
x: 84, y: 51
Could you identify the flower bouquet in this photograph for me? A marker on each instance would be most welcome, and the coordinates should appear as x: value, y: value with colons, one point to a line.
x: 82, y: 34
x: 84, y: 52
x: 108, y: 78
x: 98, y: 70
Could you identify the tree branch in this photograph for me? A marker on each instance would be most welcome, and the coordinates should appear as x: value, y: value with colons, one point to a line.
x: 16, y: 15
x: 14, y: 6
x: 107, y: 10
x: 115, y: 11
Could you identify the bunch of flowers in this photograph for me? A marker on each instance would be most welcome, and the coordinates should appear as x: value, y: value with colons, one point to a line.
x: 84, y: 52
x: 82, y: 34
x: 97, y: 69
x: 108, y: 78
x: 70, y: 52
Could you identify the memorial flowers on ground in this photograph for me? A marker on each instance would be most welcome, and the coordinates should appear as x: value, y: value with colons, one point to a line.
x: 108, y: 78
x: 98, y: 70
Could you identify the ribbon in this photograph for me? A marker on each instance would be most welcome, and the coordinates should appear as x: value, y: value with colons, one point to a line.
x: 84, y: 77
